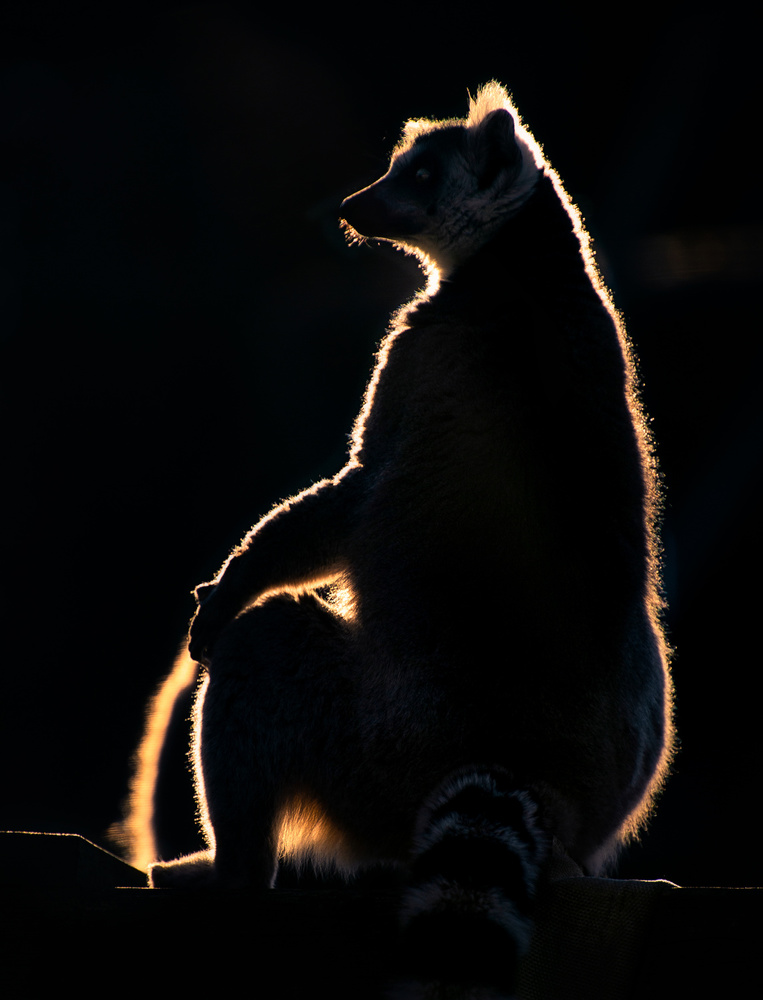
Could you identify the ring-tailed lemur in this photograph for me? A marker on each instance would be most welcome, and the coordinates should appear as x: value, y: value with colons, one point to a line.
x: 486, y: 672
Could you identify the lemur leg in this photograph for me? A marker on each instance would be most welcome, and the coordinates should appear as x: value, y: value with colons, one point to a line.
x: 275, y: 690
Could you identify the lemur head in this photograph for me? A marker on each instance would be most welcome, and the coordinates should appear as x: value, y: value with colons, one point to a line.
x: 450, y: 184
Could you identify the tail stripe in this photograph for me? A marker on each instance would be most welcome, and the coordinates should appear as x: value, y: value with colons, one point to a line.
x: 477, y: 858
x: 477, y: 863
x: 497, y: 806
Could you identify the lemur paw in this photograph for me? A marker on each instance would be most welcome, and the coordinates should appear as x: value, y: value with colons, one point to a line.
x: 207, y: 623
x: 195, y: 871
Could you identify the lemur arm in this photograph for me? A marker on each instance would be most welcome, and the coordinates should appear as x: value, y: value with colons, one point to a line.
x: 299, y: 544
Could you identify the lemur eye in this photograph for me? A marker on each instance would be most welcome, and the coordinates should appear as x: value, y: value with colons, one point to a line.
x: 422, y: 174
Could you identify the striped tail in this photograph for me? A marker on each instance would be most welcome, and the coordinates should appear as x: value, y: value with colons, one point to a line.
x: 467, y: 912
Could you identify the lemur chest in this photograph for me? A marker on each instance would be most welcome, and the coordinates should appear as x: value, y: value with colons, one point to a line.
x: 450, y: 439
x: 466, y: 431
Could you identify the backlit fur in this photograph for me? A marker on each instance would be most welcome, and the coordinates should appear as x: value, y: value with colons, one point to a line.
x: 475, y: 594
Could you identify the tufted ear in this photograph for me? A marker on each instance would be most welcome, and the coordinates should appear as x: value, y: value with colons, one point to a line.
x: 495, y: 146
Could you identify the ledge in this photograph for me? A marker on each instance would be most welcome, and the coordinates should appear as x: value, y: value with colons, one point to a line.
x: 73, y: 913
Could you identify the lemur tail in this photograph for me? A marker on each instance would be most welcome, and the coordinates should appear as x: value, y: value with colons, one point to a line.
x: 467, y: 911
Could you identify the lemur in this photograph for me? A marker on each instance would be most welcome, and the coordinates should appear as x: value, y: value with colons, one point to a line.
x: 449, y: 657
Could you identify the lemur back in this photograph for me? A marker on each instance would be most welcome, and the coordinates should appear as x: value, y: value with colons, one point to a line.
x: 449, y: 655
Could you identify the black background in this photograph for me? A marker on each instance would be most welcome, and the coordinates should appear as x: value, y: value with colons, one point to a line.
x: 185, y: 335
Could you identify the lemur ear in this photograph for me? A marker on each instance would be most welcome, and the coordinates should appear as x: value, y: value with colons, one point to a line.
x: 495, y: 146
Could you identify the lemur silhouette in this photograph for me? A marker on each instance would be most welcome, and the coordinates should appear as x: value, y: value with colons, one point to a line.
x: 449, y: 656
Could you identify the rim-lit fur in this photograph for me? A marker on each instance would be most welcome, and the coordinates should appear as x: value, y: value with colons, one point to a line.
x: 466, y: 211
x: 492, y: 546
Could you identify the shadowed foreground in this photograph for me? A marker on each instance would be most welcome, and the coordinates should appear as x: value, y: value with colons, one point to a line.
x: 75, y: 914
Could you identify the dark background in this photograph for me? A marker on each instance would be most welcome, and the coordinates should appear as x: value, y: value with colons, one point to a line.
x: 185, y: 336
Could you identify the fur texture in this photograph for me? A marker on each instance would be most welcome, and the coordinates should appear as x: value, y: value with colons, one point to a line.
x: 478, y: 855
x: 476, y: 593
